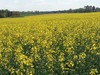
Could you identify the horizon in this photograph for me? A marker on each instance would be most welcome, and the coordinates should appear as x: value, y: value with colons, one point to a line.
x: 46, y: 5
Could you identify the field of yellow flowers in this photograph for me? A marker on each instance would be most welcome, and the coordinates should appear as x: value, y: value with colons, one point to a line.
x: 53, y: 44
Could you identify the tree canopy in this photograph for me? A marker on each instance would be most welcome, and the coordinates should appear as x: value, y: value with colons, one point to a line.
x: 6, y: 13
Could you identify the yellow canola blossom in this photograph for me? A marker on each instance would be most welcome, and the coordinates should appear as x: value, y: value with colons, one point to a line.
x: 50, y: 44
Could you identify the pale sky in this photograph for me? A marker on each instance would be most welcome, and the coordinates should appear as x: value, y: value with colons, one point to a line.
x: 45, y: 5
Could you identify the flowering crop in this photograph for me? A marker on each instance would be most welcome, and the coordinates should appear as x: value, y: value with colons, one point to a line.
x: 60, y: 44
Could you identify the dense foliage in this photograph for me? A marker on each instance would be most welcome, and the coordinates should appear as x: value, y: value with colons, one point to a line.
x: 85, y: 9
x: 60, y: 44
x: 7, y: 13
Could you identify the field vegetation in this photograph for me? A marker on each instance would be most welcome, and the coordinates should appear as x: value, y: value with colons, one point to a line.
x: 53, y: 44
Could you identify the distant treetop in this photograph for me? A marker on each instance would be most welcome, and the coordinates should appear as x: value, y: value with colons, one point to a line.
x: 6, y: 13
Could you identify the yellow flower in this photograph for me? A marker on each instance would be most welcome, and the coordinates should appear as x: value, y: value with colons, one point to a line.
x: 70, y: 63
x: 82, y: 55
x: 61, y: 57
x: 75, y: 57
x: 93, y: 71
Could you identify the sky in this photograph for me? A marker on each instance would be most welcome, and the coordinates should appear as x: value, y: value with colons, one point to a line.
x: 45, y: 5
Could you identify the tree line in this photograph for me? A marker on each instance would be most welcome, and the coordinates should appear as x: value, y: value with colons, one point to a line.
x: 85, y: 9
x: 7, y: 13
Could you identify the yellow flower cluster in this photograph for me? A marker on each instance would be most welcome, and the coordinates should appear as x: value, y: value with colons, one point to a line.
x: 54, y: 44
x: 93, y: 71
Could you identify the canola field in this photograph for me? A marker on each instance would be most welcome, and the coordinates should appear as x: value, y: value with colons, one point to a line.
x: 53, y: 44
